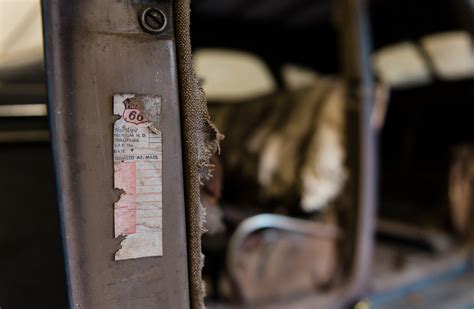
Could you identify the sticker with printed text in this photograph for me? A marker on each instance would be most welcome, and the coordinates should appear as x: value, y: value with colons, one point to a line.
x: 138, y: 176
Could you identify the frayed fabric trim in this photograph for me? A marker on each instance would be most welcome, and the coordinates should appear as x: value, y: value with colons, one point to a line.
x: 200, y: 142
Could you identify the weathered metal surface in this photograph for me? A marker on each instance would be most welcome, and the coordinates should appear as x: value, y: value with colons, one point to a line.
x: 362, y: 159
x: 93, y: 50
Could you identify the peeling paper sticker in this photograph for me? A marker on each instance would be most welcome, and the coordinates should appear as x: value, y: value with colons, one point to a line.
x: 138, y: 175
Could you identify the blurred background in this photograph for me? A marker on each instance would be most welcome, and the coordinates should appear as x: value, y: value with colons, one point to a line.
x: 278, y: 203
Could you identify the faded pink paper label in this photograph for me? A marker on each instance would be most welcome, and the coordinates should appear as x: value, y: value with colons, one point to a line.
x: 138, y: 174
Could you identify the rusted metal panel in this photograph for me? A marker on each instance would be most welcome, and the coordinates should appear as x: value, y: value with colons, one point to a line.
x: 95, y: 49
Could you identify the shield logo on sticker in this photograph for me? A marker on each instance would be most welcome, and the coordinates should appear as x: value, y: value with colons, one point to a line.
x: 132, y: 114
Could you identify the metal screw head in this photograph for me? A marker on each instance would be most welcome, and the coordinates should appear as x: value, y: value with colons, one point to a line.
x: 153, y: 20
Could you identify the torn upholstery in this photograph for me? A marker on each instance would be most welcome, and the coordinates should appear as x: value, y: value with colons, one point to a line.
x: 200, y: 141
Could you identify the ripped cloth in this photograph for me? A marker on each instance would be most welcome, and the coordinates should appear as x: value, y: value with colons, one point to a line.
x: 285, y: 150
x: 200, y: 142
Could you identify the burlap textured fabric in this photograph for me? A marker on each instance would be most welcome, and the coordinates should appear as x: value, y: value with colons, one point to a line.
x: 200, y: 141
